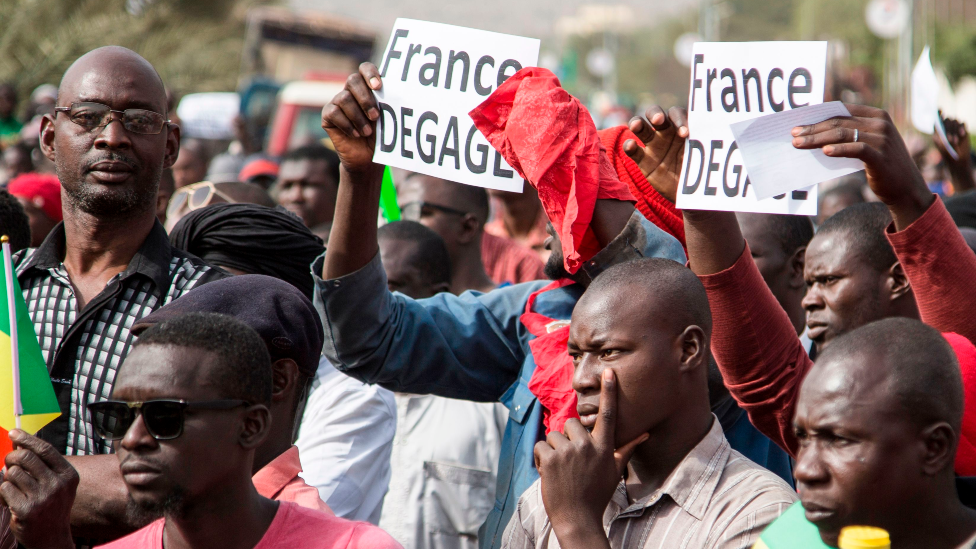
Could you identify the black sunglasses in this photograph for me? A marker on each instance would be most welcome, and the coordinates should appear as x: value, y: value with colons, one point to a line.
x: 90, y: 115
x: 413, y: 211
x: 163, y: 418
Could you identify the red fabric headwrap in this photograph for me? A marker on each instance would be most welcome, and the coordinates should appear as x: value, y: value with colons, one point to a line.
x: 650, y: 203
x: 547, y: 135
x: 41, y: 189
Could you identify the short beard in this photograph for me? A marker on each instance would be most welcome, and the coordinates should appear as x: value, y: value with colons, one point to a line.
x: 554, y: 268
x: 117, y: 202
x: 174, y: 505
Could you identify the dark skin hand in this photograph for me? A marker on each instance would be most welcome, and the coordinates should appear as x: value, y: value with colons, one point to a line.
x: 892, y: 174
x: 961, y: 170
x: 352, y: 242
x: 581, y: 470
x: 714, y: 239
x: 350, y: 120
x: 39, y: 487
x: 663, y: 135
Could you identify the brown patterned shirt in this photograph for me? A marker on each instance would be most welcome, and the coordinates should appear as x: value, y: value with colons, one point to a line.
x: 714, y: 499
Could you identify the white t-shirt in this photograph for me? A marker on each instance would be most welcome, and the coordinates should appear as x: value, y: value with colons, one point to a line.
x: 345, y: 439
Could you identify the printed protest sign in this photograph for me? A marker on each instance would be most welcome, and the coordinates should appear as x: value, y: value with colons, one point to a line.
x: 731, y: 82
x: 433, y: 75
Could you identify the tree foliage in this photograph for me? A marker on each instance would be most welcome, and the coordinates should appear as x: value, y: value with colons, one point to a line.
x: 194, y: 44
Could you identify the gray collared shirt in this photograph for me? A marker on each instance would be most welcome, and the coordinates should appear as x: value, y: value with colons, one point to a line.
x: 714, y: 499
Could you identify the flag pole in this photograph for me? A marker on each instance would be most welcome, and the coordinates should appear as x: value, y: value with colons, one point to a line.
x: 8, y: 267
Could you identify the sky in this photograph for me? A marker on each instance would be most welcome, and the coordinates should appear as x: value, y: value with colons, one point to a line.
x: 532, y: 18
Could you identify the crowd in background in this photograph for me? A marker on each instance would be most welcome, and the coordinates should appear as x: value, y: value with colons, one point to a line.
x: 420, y: 392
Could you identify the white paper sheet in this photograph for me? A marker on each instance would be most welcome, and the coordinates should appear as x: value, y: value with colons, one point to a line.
x: 925, y: 94
x: 775, y: 166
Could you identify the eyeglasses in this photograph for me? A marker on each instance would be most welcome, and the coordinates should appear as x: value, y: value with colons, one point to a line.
x: 195, y: 196
x: 96, y: 115
x: 415, y: 210
x: 163, y: 418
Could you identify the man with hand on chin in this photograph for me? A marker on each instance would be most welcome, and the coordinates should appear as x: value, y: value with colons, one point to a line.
x: 629, y: 474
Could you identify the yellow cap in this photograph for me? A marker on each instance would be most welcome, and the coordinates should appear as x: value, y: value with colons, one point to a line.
x: 4, y: 238
x: 864, y: 537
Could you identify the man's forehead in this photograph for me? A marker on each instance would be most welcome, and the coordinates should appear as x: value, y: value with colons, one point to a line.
x: 165, y: 371
x: 845, y: 383
x: 613, y: 309
x: 829, y: 251
x: 116, y: 77
x: 301, y: 167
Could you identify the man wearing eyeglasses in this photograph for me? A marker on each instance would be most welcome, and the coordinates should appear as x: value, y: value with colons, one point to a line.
x: 110, y: 261
x: 186, y: 416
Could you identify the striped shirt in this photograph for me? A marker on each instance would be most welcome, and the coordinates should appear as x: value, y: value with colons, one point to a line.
x: 714, y: 499
x: 85, y: 348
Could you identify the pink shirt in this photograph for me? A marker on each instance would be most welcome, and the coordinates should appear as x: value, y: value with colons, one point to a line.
x: 279, y: 481
x: 507, y: 261
x: 293, y: 527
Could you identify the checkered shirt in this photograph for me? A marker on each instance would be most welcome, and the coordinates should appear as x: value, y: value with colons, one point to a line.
x: 85, y: 348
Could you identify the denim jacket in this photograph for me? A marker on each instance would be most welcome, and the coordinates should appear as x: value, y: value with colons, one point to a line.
x: 470, y: 346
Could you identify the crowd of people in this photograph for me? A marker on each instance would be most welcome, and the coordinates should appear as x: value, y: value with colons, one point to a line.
x: 244, y: 357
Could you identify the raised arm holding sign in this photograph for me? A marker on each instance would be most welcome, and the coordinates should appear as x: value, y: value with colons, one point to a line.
x: 733, y: 82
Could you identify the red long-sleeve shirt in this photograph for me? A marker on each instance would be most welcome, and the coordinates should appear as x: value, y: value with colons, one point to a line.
x: 763, y: 361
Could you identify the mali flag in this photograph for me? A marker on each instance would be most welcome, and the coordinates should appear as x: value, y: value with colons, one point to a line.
x: 36, y: 393
x: 791, y: 530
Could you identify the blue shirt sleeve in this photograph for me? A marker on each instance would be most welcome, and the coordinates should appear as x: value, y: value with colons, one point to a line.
x: 465, y: 346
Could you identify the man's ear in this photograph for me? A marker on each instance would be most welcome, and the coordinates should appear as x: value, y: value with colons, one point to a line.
x: 47, y: 136
x: 172, y: 144
x: 797, y: 262
x: 694, y: 348
x: 284, y: 377
x: 898, y: 284
x: 470, y: 227
x: 938, y: 443
x: 257, y: 424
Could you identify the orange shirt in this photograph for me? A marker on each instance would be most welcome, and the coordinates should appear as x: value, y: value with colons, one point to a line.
x: 279, y: 481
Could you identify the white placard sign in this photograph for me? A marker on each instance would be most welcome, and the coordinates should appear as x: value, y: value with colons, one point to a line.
x: 731, y: 82
x: 433, y: 75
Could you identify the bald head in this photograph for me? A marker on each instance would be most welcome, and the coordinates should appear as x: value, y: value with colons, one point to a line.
x: 878, y: 423
x: 665, y: 289
x: 911, y: 363
x: 109, y: 167
x: 113, y: 66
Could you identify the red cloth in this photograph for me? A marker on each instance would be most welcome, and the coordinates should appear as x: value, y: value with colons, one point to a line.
x: 40, y: 189
x: 293, y: 526
x: 259, y: 166
x: 764, y: 363
x: 650, y: 203
x: 506, y: 261
x: 547, y: 135
x: 553, y: 365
